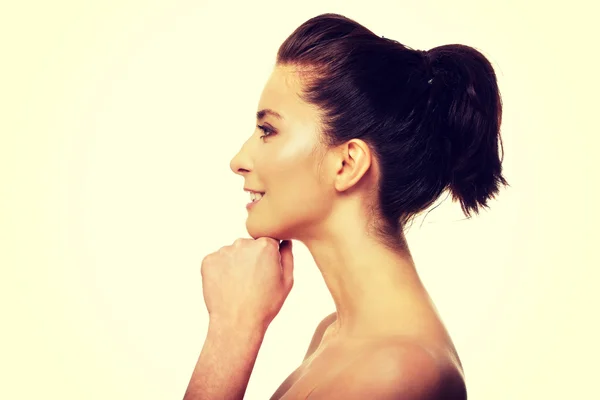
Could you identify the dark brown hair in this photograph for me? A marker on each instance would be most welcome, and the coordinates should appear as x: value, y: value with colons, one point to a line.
x: 432, y: 118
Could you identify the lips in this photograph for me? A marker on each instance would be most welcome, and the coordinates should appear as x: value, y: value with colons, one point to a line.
x: 255, y: 196
x: 256, y: 199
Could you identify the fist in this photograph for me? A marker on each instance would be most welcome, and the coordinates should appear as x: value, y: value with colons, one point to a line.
x: 246, y: 284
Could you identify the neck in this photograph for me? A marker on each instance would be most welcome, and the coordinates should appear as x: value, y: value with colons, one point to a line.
x: 375, y: 289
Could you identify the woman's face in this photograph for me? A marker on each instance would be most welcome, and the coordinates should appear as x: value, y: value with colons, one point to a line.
x: 284, y: 164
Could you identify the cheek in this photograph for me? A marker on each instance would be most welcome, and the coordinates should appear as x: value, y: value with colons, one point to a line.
x: 299, y: 195
x: 291, y: 180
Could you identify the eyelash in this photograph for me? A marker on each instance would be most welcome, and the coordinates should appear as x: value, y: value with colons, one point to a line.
x: 267, y: 131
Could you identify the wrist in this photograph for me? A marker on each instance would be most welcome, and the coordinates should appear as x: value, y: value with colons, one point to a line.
x: 229, y: 326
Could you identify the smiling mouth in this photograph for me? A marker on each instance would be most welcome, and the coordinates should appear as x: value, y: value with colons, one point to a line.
x: 256, y: 197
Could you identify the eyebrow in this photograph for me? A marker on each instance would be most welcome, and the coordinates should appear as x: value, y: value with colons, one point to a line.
x: 267, y: 111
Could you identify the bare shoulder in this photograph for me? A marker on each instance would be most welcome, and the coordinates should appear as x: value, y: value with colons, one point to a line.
x: 415, y: 371
x: 395, y: 369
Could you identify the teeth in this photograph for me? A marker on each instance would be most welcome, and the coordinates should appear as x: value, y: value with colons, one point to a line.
x: 255, y: 196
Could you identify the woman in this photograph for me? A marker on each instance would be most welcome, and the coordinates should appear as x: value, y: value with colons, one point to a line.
x: 356, y: 135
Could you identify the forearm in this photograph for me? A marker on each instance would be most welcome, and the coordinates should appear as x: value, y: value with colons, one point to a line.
x: 225, y: 363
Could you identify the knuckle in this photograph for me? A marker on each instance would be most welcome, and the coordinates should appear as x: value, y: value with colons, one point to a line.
x: 204, y: 264
x: 265, y: 241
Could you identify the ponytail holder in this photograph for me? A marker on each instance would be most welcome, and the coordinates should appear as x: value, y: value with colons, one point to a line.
x: 425, y: 55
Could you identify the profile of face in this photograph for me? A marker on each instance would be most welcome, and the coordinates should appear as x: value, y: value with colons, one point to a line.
x: 283, y: 162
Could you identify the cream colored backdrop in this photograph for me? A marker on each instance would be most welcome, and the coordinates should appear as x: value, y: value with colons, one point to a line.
x: 118, y: 122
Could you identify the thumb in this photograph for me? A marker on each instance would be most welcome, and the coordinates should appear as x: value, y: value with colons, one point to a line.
x: 287, y: 261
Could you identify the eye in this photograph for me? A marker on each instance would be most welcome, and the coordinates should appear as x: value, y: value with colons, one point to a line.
x: 267, y: 131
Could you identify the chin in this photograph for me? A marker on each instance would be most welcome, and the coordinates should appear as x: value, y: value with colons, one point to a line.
x: 262, y: 231
x: 256, y: 232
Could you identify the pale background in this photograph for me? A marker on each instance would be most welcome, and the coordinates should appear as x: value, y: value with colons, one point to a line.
x: 118, y: 122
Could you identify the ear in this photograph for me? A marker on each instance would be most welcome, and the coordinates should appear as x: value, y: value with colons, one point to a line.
x: 353, y: 163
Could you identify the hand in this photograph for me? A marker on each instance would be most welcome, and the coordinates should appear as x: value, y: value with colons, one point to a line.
x: 246, y: 284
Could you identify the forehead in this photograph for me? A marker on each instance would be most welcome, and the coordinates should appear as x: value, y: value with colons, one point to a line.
x: 282, y: 94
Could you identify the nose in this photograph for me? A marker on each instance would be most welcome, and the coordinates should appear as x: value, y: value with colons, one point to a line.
x: 240, y: 164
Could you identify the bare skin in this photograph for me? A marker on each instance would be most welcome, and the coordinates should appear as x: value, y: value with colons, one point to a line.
x: 328, y: 353
x: 324, y: 198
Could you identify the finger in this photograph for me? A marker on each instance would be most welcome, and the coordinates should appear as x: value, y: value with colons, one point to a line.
x: 287, y: 260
